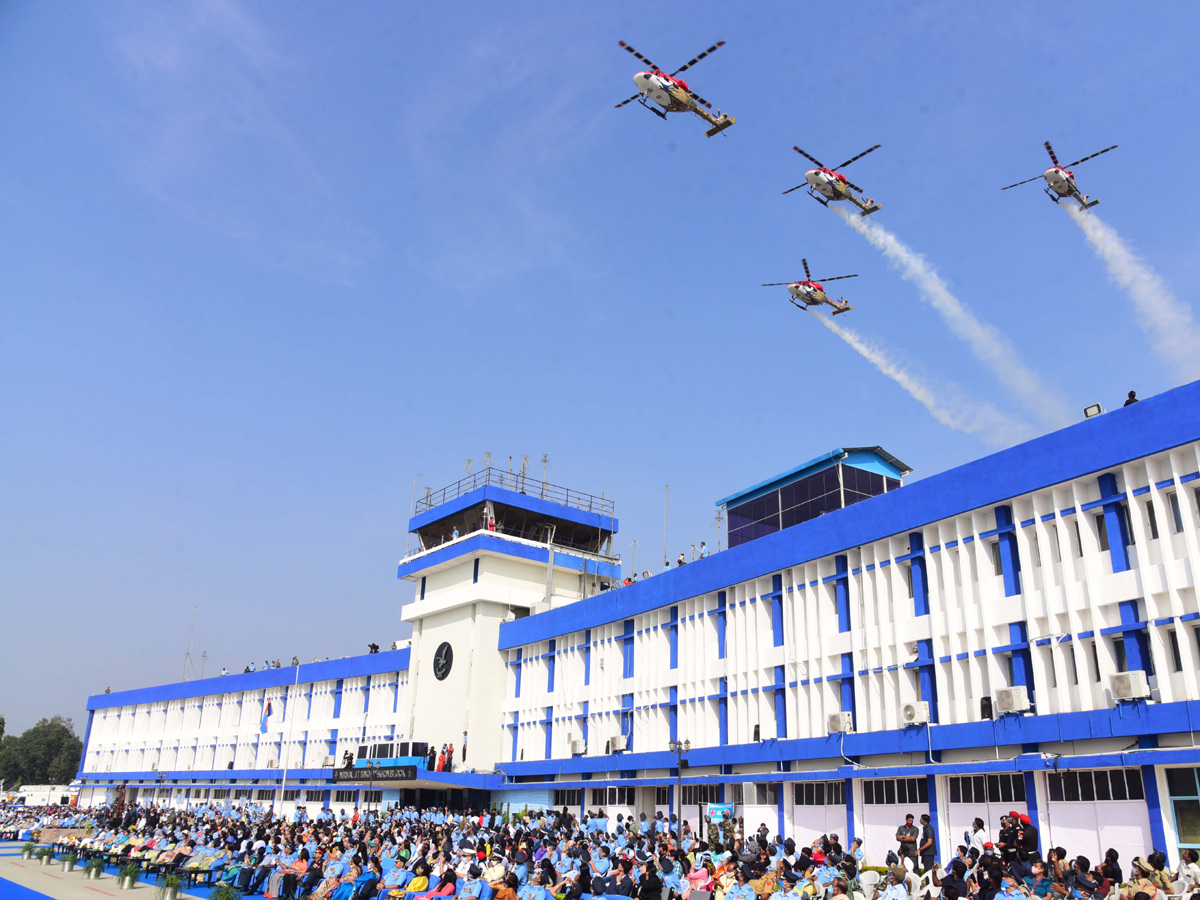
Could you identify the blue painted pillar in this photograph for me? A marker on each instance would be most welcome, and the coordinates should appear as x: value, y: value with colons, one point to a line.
x: 515, y: 722
x: 627, y: 650
x: 842, y: 593
x: 720, y: 624
x: 583, y: 727
x: 780, y: 693
x: 927, y: 677
x: 627, y: 720
x: 673, y: 637
x: 779, y: 828
x: 777, y: 609
x: 517, y: 672
x: 1022, y: 660
x: 723, y: 712
x: 1114, y: 524
x: 1154, y: 807
x: 1137, y: 647
x: 1031, y: 804
x: 920, y: 580
x: 673, y: 714
x: 849, y: 791
x: 931, y: 787
x: 550, y: 666
x: 337, y: 699
x: 587, y: 657
x: 549, y: 731
x: 1010, y: 559
x: 846, y: 686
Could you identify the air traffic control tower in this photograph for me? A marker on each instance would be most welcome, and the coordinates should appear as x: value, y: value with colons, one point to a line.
x: 492, y: 547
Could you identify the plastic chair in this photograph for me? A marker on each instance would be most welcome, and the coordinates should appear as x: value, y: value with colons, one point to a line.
x: 869, y: 881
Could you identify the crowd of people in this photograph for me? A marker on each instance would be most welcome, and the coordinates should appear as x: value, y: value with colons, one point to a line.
x: 410, y: 854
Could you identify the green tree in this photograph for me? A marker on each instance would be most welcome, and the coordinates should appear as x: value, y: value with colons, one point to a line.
x: 47, y: 753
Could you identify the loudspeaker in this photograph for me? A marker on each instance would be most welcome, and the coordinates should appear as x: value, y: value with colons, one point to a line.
x: 985, y: 707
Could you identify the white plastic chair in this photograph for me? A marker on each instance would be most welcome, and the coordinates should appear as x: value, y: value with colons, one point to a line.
x: 869, y: 881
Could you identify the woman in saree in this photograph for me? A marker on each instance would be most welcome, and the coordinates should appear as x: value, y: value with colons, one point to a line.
x: 296, y: 869
x: 345, y: 886
x: 335, y: 869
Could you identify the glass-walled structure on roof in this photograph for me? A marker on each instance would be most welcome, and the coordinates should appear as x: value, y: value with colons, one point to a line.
x: 838, y: 479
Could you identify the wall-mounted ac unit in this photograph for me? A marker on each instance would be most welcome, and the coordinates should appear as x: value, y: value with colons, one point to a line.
x: 272, y: 764
x: 840, y: 722
x: 617, y: 743
x: 1130, y: 685
x: 1012, y: 700
x: 915, y: 713
x: 578, y: 747
x: 327, y: 761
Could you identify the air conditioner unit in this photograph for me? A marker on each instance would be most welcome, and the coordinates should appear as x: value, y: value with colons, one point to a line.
x: 915, y: 713
x: 1130, y: 685
x: 1012, y: 700
x: 154, y: 767
x: 272, y: 764
x: 578, y: 747
x: 617, y: 743
x: 327, y: 761
x: 840, y: 723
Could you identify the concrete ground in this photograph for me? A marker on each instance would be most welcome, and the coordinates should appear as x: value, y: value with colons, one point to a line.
x: 27, y: 880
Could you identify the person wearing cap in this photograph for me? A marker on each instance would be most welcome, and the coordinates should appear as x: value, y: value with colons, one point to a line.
x: 1139, y: 880
x: 532, y: 889
x: 906, y: 837
x: 672, y: 877
x: 649, y: 885
x: 473, y: 886
x: 741, y: 888
x: 896, y: 886
x: 788, y: 880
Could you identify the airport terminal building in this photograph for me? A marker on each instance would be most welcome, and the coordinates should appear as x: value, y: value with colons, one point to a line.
x: 1019, y: 633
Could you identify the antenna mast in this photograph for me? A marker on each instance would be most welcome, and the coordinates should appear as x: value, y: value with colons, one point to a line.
x: 186, y: 663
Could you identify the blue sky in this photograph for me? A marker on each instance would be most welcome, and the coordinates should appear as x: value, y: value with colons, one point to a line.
x: 265, y: 263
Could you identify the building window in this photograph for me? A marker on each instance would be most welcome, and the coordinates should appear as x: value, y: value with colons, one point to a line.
x: 661, y: 796
x: 372, y: 797
x: 820, y: 793
x: 733, y: 793
x: 1004, y: 788
x: 890, y: 791
x: 766, y: 794
x: 1183, y: 786
x: 1099, y: 784
x: 1176, y: 512
x: 290, y: 795
x: 264, y: 794
x: 1078, y: 540
x: 1152, y: 519
x: 1101, y: 531
x: 1176, y: 656
x: 241, y: 794
x: 567, y: 798
x: 220, y: 793
x: 994, y: 554
x: 343, y: 796
x: 908, y: 579
x: 695, y: 794
x: 612, y: 796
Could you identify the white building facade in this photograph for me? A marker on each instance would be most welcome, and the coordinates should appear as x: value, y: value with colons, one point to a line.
x: 1019, y: 633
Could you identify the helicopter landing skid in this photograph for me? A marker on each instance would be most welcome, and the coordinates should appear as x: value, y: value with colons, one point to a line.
x: 658, y: 112
x: 818, y: 198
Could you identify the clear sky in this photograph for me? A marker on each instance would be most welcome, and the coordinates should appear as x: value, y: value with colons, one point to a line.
x: 263, y: 264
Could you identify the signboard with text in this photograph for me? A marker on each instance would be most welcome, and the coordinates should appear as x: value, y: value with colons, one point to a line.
x: 383, y: 773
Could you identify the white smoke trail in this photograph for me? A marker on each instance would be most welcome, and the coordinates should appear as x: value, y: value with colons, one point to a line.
x: 988, y: 345
x: 1166, y: 321
x: 945, y: 403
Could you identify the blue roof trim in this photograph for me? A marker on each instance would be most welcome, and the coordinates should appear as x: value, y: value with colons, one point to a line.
x: 512, y: 498
x: 1094, y: 445
x: 491, y: 543
x: 351, y: 667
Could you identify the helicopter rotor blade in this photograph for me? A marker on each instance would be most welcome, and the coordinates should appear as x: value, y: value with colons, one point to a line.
x: 1053, y: 158
x: 1019, y: 183
x: 1093, y: 156
x: 853, y: 158
x: 796, y: 188
x: 700, y: 99
x: 630, y: 100
x: 699, y: 56
x: 807, y: 274
x: 779, y: 283
x: 811, y: 159
x: 851, y: 184
x: 639, y: 56
x: 834, y: 278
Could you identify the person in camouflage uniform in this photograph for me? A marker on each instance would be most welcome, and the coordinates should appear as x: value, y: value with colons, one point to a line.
x: 728, y: 830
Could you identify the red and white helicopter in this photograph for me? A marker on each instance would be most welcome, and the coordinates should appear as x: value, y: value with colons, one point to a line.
x: 825, y: 184
x: 673, y: 94
x: 1062, y: 180
x: 812, y: 293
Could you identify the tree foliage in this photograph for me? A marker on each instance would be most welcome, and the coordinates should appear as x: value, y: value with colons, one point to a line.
x: 47, y: 753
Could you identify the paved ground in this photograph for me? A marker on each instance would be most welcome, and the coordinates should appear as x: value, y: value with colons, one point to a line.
x: 27, y: 880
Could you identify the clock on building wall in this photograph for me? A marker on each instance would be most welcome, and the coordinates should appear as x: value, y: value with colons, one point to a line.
x: 443, y: 659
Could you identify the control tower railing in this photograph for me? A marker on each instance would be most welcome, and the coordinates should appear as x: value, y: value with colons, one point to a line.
x: 522, y: 484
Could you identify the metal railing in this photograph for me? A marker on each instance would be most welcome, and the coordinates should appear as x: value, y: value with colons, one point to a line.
x: 522, y: 484
x: 533, y: 537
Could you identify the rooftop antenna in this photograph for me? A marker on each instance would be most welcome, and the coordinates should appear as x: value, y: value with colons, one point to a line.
x: 633, y: 558
x: 524, y: 469
x: 186, y: 663
x: 487, y: 459
x: 203, y: 662
x: 470, y: 466
x: 666, y: 498
x: 514, y: 482
x: 545, y: 468
x: 719, y: 520
x: 412, y: 512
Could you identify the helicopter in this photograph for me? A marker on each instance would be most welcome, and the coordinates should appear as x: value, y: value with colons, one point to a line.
x: 1061, y: 180
x: 811, y: 292
x: 825, y: 185
x: 673, y: 94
